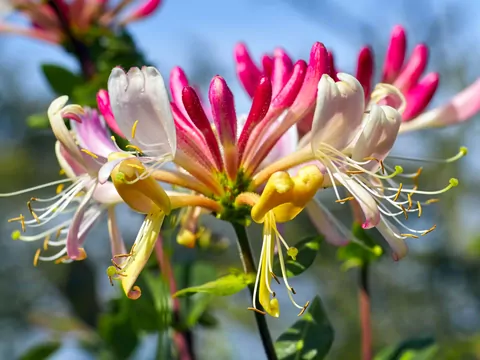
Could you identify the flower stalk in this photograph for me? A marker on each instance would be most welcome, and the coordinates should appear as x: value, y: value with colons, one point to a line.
x: 249, y: 267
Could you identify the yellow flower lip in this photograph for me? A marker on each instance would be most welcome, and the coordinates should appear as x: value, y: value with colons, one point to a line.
x: 141, y: 194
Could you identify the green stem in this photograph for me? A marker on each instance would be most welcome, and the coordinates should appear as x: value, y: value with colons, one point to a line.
x: 365, y: 312
x: 249, y: 267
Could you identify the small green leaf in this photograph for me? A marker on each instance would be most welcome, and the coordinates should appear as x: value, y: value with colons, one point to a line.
x: 38, y: 121
x: 224, y: 286
x: 412, y: 349
x: 309, y: 338
x: 61, y: 80
x: 41, y: 352
x: 307, y: 250
x: 355, y: 254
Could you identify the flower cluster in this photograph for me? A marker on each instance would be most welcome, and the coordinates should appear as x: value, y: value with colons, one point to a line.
x: 309, y: 129
x: 52, y: 20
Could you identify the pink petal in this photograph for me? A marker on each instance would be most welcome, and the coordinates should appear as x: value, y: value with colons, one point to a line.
x: 413, y: 69
x: 395, y: 55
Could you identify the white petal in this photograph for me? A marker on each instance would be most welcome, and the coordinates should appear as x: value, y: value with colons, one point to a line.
x: 365, y: 200
x: 391, y: 235
x: 106, y: 170
x: 378, y: 135
x: 141, y: 95
x: 338, y: 112
x: 107, y: 194
x: 116, y: 241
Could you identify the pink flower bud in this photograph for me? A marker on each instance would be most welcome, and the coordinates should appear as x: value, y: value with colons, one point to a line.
x: 267, y: 64
x: 145, y: 9
x: 260, y: 106
x: 413, y: 69
x: 103, y: 103
x: 196, y: 113
x: 247, y: 72
x: 395, y: 55
x: 178, y: 80
x: 365, y: 70
x: 281, y: 70
x: 420, y: 95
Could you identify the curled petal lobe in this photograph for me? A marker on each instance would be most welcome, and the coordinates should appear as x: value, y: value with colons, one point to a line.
x: 413, y: 69
x: 365, y: 200
x: 420, y: 95
x: 339, y: 111
x: 378, y: 135
x: 141, y: 107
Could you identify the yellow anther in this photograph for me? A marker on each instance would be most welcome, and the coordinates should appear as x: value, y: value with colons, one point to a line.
x: 410, y: 202
x: 292, y: 252
x: 419, y: 206
x: 304, y: 309
x: 278, y: 190
x: 410, y: 236
x: 275, y: 277
x: 431, y: 201
x: 16, y: 234
x: 256, y: 310
x: 58, y: 233
x: 20, y: 218
x: 35, y: 258
x: 61, y: 172
x: 354, y: 172
x: 88, y: 152
x: 29, y: 205
x: 134, y: 147
x: 404, y: 212
x: 397, y: 195
x: 345, y: 199
x: 416, y: 176
x: 429, y: 230
x: 134, y: 129
x: 59, y: 188
x: 135, y: 166
x: 45, y: 242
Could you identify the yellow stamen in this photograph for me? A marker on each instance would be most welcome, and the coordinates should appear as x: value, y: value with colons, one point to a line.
x: 429, y: 230
x: 59, y: 188
x: 397, y: 195
x: 45, y: 242
x: 88, y: 152
x: 431, y: 201
x: 134, y: 147
x: 20, y: 218
x: 61, y: 172
x: 57, y: 235
x: 304, y: 308
x: 419, y: 206
x: 134, y: 129
x: 410, y: 203
x: 345, y: 199
x: 35, y: 258
x: 135, y: 166
x: 416, y: 176
x: 410, y: 236
x: 354, y: 172
x: 404, y: 212
x: 256, y: 310
x: 29, y: 205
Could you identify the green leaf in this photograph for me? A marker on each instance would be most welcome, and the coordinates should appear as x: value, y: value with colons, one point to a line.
x: 162, y: 303
x: 38, y: 121
x: 412, y: 349
x: 61, y: 80
x: 307, y: 251
x: 355, y: 254
x: 41, y: 352
x: 224, y: 286
x: 309, y: 338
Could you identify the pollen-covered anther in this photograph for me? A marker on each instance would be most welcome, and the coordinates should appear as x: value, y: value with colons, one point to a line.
x: 135, y: 148
x: 429, y: 230
x: 304, y: 308
x: 419, y: 206
x: 36, y: 256
x: 256, y: 310
x: 410, y: 236
x: 134, y: 129
x: 399, y: 191
x: 341, y: 201
x: 278, y: 190
x: 29, y: 205
x: 404, y: 211
x: 20, y: 218
x: 59, y: 188
x: 89, y: 153
x: 45, y: 242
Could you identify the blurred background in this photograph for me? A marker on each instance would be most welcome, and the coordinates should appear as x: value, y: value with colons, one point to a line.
x: 434, y: 292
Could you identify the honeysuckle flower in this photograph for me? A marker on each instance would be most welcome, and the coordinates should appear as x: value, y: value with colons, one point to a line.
x: 47, y: 25
x: 63, y: 221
